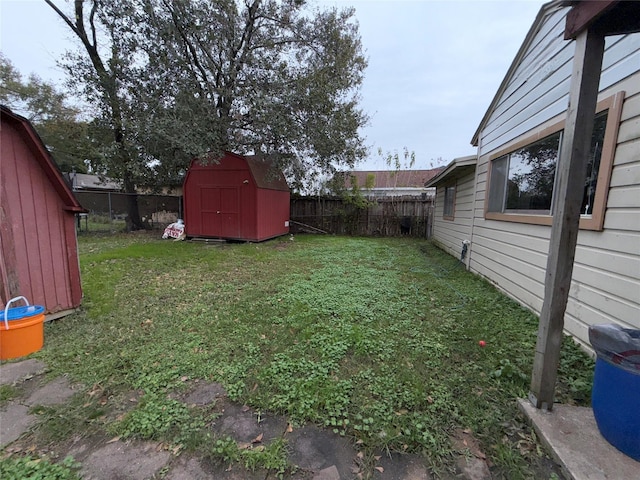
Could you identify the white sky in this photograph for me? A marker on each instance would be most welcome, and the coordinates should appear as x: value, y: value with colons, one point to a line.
x: 434, y: 66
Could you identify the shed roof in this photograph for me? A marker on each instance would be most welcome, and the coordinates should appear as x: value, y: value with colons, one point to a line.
x: 42, y: 156
x: 266, y: 173
x: 456, y: 165
x: 264, y: 170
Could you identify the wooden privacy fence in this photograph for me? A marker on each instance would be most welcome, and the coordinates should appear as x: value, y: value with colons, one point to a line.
x: 387, y: 216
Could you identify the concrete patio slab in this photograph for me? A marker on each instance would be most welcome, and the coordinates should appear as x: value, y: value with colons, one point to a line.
x: 12, y: 373
x: 14, y: 421
x: 138, y: 461
x: 187, y: 469
x: 315, y: 449
x: 55, y: 392
x: 572, y: 437
x: 245, y: 425
x: 401, y: 467
x: 330, y: 473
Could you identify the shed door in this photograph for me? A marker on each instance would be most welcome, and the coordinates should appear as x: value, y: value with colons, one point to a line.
x: 220, y: 212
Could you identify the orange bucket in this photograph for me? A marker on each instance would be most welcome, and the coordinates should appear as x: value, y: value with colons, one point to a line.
x: 21, y: 330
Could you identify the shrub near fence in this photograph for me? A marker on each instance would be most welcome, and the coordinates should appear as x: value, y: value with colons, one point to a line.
x: 386, y: 216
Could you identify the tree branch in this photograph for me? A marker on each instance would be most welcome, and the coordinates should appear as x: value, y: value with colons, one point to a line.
x: 190, y: 47
x: 93, y: 27
x: 63, y: 16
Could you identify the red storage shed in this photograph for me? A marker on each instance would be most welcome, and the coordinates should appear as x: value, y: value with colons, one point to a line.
x: 38, y: 245
x: 239, y: 198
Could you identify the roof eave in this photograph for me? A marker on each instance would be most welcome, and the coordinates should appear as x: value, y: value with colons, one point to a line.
x: 544, y: 11
x: 456, y: 164
x: 44, y: 159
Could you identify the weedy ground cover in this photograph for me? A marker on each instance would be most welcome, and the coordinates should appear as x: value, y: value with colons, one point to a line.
x: 375, y: 339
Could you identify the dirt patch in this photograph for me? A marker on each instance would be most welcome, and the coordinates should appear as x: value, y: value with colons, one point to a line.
x: 205, y: 394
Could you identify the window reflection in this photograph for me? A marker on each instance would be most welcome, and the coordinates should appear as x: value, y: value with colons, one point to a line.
x: 523, y: 181
x: 593, y: 167
x: 531, y: 175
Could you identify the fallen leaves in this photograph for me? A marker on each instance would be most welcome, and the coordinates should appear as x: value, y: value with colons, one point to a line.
x: 252, y: 445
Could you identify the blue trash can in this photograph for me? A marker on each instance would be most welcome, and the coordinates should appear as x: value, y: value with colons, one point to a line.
x: 616, y: 386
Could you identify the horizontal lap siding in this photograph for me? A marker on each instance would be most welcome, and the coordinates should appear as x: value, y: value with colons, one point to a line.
x: 539, y: 89
x: 449, y: 234
x: 513, y: 256
x: 534, y: 77
x: 606, y: 279
x: 605, y: 286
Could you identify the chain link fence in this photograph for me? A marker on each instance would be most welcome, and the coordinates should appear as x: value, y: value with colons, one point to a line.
x: 110, y: 208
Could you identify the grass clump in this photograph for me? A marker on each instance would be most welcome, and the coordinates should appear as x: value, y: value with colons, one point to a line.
x: 7, y: 393
x: 19, y: 468
x: 375, y: 339
x: 157, y: 417
x: 272, y: 457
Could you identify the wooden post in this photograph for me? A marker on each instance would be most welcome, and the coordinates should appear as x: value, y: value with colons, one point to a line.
x: 570, y: 175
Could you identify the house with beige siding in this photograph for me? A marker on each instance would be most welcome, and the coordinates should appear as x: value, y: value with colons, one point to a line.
x: 454, y: 206
x: 518, y: 143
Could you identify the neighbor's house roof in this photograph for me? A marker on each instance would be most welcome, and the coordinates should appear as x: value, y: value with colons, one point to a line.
x: 42, y: 157
x: 390, y: 179
x: 84, y: 181
x: 458, y: 166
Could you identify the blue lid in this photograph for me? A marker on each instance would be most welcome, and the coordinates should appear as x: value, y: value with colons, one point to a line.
x: 18, y: 313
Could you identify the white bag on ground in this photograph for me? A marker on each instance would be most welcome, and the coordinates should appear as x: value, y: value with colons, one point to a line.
x: 175, y: 230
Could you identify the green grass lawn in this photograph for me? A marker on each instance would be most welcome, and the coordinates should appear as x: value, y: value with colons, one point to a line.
x: 98, y: 224
x: 376, y: 339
